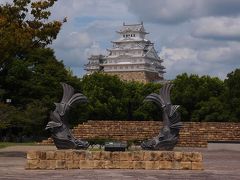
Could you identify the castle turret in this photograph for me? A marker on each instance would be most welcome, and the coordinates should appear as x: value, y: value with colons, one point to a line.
x: 94, y: 64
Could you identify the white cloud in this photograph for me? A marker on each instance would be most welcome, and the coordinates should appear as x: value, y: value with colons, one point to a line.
x: 94, y: 49
x: 228, y: 55
x: 71, y: 40
x: 214, y: 61
x: 104, y: 9
x: 177, y: 11
x: 218, y: 28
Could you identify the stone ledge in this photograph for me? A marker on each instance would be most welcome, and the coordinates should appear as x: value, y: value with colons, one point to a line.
x: 80, y: 159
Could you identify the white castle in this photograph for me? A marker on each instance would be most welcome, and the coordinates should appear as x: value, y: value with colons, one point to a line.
x: 132, y: 57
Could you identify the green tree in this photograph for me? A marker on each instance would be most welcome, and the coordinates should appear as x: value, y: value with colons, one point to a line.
x: 29, y: 72
x: 38, y: 77
x: 211, y: 110
x: 189, y: 90
x: 24, y: 26
x: 133, y: 100
x: 111, y: 98
x: 104, y: 93
x: 232, y: 95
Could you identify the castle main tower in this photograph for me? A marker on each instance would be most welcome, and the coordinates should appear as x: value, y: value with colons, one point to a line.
x: 132, y: 57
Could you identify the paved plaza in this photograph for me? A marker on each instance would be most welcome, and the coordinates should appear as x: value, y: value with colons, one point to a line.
x: 218, y: 164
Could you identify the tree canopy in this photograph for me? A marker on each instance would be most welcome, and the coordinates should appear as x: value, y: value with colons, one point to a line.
x: 24, y: 26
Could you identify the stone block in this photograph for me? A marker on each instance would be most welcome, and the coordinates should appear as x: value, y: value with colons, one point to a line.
x: 86, y: 155
x: 125, y: 156
x: 96, y: 155
x: 31, y: 155
x: 197, y: 166
x: 77, y: 155
x: 178, y: 156
x: 138, y: 156
x: 108, y: 164
x: 187, y: 156
x: 60, y: 155
x: 72, y: 164
x: 50, y: 155
x: 43, y: 164
x: 167, y: 156
x: 185, y: 165
x: 60, y: 164
x: 42, y: 155
x: 176, y: 165
x: 126, y: 164
x: 32, y: 164
x: 165, y: 165
x: 197, y: 157
x: 86, y: 164
x: 115, y: 156
x: 152, y: 165
x: 69, y: 155
x: 139, y: 164
x: 116, y: 164
x: 98, y: 164
x: 51, y: 164
x: 36, y: 155
x: 153, y: 155
x: 104, y: 155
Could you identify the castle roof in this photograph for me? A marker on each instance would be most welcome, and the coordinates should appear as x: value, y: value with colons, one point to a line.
x: 132, y: 28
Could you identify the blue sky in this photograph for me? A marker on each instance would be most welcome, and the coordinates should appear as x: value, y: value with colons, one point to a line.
x: 193, y: 36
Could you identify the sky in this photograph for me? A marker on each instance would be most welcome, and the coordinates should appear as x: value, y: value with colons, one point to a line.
x: 194, y: 36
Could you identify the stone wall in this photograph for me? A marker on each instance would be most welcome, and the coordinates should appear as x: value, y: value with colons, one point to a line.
x: 193, y: 134
x: 75, y: 159
x: 139, y: 76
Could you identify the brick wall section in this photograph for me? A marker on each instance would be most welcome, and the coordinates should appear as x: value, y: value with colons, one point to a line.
x: 193, y: 134
x: 76, y: 159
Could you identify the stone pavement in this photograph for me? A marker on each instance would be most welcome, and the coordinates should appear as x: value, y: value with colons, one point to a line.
x: 218, y: 164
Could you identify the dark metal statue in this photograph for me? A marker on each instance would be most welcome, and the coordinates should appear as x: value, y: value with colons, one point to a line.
x: 169, y: 134
x: 61, y: 134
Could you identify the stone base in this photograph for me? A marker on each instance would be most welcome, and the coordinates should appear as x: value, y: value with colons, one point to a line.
x: 80, y: 159
x: 140, y: 76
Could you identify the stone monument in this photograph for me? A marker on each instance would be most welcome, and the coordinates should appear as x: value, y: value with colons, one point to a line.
x: 169, y: 134
x: 58, y: 126
x: 75, y: 159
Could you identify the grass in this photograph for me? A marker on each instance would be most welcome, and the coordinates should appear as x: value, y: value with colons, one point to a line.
x: 7, y: 144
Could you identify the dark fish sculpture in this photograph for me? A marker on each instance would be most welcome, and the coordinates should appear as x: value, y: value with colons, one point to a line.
x: 58, y: 125
x: 169, y: 134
